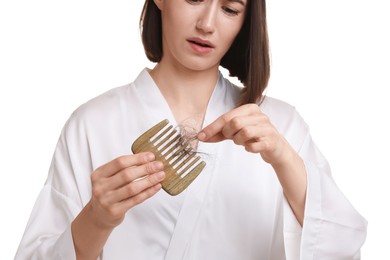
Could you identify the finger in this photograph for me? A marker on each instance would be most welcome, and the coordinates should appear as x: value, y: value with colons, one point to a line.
x: 123, y: 162
x: 131, y: 174
x: 236, y: 124
x: 134, y: 188
x: 258, y: 147
x: 140, y: 197
x: 213, y: 132
x: 248, y: 134
x: 116, y: 209
x: 202, y: 136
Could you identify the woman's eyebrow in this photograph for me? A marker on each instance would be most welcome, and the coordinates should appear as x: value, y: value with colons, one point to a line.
x: 237, y: 1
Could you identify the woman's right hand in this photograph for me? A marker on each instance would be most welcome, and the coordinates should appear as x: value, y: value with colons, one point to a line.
x: 116, y: 187
x: 121, y: 184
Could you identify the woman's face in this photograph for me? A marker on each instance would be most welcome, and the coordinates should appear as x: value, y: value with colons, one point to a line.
x: 197, y: 34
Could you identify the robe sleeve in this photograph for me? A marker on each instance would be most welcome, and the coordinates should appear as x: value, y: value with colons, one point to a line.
x: 332, y: 228
x: 48, y: 232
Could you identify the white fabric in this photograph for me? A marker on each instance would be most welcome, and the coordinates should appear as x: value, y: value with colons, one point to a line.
x: 235, y: 209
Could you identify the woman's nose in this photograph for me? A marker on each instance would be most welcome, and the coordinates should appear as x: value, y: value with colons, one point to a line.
x: 207, y: 19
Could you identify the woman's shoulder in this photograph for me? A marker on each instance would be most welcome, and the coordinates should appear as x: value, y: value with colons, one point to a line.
x: 115, y: 99
x: 276, y: 107
x: 280, y: 110
x: 105, y: 103
x: 285, y: 118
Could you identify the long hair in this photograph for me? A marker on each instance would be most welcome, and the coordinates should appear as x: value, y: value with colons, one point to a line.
x: 247, y: 58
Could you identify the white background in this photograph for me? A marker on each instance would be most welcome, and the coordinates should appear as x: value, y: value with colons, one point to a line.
x: 330, y: 59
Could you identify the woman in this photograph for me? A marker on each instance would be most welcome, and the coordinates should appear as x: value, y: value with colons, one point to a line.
x: 101, y: 202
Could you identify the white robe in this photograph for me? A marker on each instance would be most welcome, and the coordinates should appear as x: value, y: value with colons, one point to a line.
x: 234, y: 210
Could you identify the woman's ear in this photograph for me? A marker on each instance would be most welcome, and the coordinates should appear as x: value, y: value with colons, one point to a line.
x: 159, y: 3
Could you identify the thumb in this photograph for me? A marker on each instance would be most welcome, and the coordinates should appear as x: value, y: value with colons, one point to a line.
x: 204, y: 137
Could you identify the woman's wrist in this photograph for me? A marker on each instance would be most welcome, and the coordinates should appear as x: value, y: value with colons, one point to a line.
x: 89, y: 233
x: 291, y: 172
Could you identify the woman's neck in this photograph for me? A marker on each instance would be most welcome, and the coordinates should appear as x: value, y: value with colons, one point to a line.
x: 187, y: 92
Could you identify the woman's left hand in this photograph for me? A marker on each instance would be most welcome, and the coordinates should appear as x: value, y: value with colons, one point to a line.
x: 248, y: 126
x: 251, y: 128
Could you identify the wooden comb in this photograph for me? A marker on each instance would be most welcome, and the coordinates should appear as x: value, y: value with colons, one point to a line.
x: 181, y: 163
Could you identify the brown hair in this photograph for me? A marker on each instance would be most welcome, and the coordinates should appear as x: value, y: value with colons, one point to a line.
x: 247, y: 59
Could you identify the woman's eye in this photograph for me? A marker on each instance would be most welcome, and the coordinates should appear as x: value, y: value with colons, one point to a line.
x: 194, y: 1
x: 230, y: 11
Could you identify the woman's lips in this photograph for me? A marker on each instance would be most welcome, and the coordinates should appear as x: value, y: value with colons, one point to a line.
x: 200, y: 46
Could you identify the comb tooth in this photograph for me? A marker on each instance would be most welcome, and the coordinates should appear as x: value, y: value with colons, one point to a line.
x: 177, y: 159
x: 169, y: 145
x: 189, y: 165
x: 178, y: 151
x: 175, y: 162
x: 183, y: 163
x: 173, y: 151
x: 162, y: 134
x: 193, y: 169
x: 161, y: 144
x: 142, y: 143
x: 185, y: 149
x: 176, y: 185
x: 164, y: 143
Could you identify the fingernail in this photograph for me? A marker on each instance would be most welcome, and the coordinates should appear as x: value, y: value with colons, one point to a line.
x: 202, y: 136
x: 160, y: 175
x: 149, y: 157
x: 158, y: 165
x: 157, y: 186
